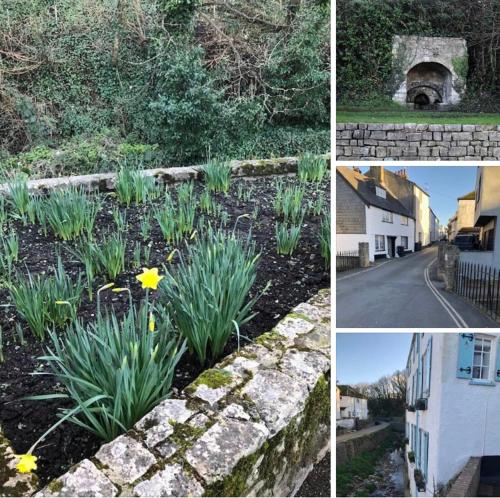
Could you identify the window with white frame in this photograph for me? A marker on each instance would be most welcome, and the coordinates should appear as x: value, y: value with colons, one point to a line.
x: 482, y: 358
x: 379, y: 243
x: 404, y: 220
x: 404, y: 241
x: 380, y: 192
x: 386, y: 216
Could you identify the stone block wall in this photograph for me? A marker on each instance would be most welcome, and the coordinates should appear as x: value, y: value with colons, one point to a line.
x: 106, y: 181
x: 346, y: 450
x: 422, y: 142
x: 254, y: 425
x: 467, y: 481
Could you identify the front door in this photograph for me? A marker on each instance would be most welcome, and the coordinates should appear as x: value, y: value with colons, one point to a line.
x: 391, y: 242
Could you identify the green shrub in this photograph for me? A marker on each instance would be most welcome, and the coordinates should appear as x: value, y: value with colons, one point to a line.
x: 110, y: 253
x: 287, y: 238
x: 217, y: 175
x: 114, y: 370
x: 325, y: 238
x: 207, y: 294
x: 133, y: 185
x: 19, y: 198
x: 71, y: 212
x: 311, y: 168
x: 45, y: 301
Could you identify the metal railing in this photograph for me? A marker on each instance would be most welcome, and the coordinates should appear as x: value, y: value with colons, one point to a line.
x: 347, y: 260
x: 480, y: 284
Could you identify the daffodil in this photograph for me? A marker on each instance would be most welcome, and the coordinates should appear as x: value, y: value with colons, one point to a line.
x: 149, y: 278
x: 27, y: 463
x: 151, y: 322
x: 120, y: 289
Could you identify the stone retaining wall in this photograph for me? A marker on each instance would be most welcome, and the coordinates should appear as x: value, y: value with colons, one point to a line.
x: 252, y: 426
x: 346, y: 450
x: 467, y: 481
x: 357, y: 141
x: 106, y: 181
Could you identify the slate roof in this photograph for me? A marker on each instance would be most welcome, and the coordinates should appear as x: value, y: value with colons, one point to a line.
x: 364, y: 186
x: 349, y: 391
x: 471, y: 196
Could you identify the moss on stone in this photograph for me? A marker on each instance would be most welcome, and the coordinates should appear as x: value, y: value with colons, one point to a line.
x: 213, y: 378
x: 295, y: 444
x: 55, y: 486
x: 270, y: 339
x: 185, y: 435
x: 301, y: 316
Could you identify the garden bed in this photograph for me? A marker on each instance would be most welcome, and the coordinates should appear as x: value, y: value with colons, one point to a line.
x: 293, y: 280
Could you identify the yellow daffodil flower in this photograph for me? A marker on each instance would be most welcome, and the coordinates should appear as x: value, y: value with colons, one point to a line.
x: 27, y: 463
x: 149, y: 278
x: 151, y: 322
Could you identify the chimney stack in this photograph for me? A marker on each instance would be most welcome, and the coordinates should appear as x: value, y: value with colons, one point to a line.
x: 378, y: 174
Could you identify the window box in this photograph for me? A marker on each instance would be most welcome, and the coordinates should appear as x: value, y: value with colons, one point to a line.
x: 421, y: 404
x: 411, y: 456
x: 419, y: 480
x: 410, y: 408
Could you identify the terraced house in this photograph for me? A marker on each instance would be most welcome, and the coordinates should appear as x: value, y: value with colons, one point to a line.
x: 368, y: 212
x: 452, y: 421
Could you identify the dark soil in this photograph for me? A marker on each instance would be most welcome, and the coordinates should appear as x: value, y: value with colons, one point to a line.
x: 318, y: 482
x: 294, y: 280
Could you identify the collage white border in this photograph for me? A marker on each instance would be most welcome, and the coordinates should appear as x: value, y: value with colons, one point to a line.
x: 334, y: 163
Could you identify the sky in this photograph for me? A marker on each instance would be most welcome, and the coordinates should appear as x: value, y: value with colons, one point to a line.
x: 367, y: 357
x: 443, y: 183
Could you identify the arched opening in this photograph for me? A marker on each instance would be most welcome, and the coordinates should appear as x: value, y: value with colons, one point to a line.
x: 428, y: 85
x: 421, y: 100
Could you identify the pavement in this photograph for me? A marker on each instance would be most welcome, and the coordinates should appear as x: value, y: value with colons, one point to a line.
x: 403, y: 293
x: 362, y: 432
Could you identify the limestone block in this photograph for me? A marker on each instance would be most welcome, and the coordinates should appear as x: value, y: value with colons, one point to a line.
x: 231, y: 440
x: 156, y: 425
x: 84, y: 479
x: 172, y: 481
x: 270, y: 388
x: 126, y: 459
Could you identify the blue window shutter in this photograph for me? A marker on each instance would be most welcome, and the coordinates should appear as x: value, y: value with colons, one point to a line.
x: 428, y: 368
x: 497, y: 365
x: 465, y: 354
x: 426, y: 454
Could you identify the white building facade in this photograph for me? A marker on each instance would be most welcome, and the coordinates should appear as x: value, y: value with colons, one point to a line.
x: 367, y: 212
x: 453, y: 402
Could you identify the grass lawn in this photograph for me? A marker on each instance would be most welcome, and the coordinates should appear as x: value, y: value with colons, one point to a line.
x: 364, y: 115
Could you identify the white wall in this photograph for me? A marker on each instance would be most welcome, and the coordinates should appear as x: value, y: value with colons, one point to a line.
x: 488, y: 258
x: 465, y: 213
x: 354, y: 407
x: 461, y: 419
x: 375, y: 226
x: 346, y: 423
x: 350, y: 241
x: 422, y: 216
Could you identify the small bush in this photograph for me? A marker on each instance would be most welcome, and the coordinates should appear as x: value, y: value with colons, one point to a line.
x: 71, y: 212
x: 114, y: 370
x: 133, y: 185
x: 325, y: 239
x: 207, y: 294
x: 311, y: 168
x: 110, y: 253
x: 217, y: 175
x: 45, y: 301
x: 287, y: 238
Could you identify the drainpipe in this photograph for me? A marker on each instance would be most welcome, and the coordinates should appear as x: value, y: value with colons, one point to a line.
x: 417, y: 449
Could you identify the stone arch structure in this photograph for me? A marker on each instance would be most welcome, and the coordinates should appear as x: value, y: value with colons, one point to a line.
x: 429, y: 71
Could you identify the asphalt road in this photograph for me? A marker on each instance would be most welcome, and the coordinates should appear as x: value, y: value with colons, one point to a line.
x: 402, y: 293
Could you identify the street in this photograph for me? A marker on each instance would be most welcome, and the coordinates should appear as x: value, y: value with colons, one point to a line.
x: 402, y: 293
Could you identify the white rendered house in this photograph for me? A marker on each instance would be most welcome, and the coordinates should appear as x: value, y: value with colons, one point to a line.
x: 453, y: 405
x: 368, y: 212
x: 352, y: 404
x: 413, y: 197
